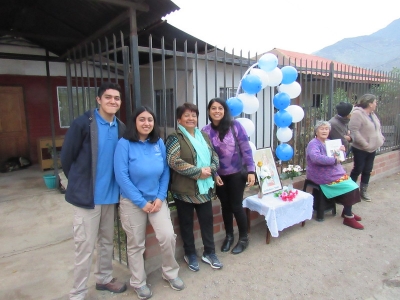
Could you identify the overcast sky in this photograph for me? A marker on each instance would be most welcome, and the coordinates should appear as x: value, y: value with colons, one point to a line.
x: 297, y: 25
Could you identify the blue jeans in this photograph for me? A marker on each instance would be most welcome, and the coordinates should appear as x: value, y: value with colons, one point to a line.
x: 363, y: 164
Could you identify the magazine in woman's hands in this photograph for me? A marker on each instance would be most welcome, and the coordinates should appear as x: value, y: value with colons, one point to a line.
x: 333, y: 149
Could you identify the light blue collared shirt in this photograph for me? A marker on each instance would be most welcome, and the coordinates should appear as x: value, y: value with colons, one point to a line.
x: 107, y: 189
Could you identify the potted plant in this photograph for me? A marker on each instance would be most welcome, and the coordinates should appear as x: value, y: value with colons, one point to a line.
x: 51, y: 179
x: 50, y: 151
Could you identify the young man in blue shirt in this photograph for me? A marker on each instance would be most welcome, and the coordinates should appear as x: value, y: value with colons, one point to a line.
x: 87, y: 161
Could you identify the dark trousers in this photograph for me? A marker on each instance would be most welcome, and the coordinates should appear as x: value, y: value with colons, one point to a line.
x: 231, y: 196
x: 347, y: 210
x: 363, y: 164
x: 205, y: 216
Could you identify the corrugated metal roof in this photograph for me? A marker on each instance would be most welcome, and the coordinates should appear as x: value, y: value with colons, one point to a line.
x: 61, y: 25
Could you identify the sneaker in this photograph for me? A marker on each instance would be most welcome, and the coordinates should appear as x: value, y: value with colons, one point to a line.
x: 176, y: 284
x: 113, y: 286
x: 143, y: 292
x: 212, y: 260
x: 192, y: 262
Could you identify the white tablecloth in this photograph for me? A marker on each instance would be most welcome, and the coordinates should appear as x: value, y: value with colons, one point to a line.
x: 280, y: 214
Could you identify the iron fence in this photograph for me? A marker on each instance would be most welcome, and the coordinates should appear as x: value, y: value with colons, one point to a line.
x: 171, y: 75
x: 325, y: 85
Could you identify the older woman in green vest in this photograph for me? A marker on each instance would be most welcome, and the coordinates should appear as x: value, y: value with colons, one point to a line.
x: 193, y: 163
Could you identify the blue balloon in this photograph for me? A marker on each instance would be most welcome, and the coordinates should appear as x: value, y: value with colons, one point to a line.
x: 289, y: 74
x: 235, y: 106
x: 282, y: 118
x: 251, y: 84
x: 281, y: 100
x: 268, y: 62
x: 284, y: 152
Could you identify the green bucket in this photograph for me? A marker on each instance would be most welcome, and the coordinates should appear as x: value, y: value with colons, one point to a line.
x: 50, y: 181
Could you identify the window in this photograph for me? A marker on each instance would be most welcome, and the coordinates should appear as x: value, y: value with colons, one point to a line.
x: 316, y: 100
x: 226, y: 93
x: 165, y: 112
x: 83, y: 99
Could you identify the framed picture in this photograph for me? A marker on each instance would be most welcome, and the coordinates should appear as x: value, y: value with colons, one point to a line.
x: 266, y: 171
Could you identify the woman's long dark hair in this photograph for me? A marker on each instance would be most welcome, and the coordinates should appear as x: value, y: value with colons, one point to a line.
x: 131, y: 132
x: 225, y: 123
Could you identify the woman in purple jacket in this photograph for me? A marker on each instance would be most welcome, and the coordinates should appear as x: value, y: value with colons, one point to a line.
x: 330, y: 175
x: 231, y: 143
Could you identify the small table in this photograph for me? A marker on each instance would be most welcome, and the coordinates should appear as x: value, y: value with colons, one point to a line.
x: 280, y: 214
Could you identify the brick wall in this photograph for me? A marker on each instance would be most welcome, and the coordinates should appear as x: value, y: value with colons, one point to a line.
x: 153, y: 249
x: 384, y: 165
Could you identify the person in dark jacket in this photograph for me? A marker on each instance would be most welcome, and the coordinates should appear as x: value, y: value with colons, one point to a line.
x: 339, y: 124
x: 87, y: 160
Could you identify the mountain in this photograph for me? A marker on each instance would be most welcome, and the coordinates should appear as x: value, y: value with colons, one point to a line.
x: 377, y: 51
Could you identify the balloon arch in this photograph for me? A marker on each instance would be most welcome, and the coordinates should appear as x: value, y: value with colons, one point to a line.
x: 260, y: 75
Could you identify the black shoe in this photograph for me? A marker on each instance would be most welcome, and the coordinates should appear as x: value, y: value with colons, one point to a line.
x: 227, y: 244
x: 241, y: 245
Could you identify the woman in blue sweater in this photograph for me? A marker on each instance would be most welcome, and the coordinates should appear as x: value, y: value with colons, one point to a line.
x: 142, y: 173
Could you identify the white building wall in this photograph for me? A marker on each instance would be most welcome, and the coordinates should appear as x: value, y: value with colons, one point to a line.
x: 27, y: 67
x: 262, y: 119
x: 38, y: 68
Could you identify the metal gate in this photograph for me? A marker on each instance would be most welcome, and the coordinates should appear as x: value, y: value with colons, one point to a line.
x: 168, y: 77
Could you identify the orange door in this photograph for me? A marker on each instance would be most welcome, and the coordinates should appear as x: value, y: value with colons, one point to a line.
x: 13, y: 133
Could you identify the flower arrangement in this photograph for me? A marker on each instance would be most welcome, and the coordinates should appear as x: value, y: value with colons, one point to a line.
x: 286, y: 195
x: 291, y: 171
x: 263, y: 174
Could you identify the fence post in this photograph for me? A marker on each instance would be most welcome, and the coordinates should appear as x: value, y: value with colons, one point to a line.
x: 331, y: 83
x: 396, y: 137
x: 135, y: 57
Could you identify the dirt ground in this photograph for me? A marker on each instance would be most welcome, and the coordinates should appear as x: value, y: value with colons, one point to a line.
x: 323, y: 260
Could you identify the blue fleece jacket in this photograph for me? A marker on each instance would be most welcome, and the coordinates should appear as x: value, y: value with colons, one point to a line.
x: 141, y: 170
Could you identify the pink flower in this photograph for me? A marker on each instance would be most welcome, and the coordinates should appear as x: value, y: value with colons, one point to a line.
x: 289, y: 196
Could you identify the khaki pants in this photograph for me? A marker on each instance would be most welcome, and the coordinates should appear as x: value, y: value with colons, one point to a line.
x: 91, y: 226
x: 134, y: 222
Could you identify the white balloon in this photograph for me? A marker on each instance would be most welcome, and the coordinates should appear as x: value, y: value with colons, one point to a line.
x: 250, y: 103
x: 284, y: 134
x: 268, y: 62
x: 275, y: 77
x: 296, y: 111
x: 253, y: 148
x: 248, y: 125
x: 293, y: 89
x: 262, y: 74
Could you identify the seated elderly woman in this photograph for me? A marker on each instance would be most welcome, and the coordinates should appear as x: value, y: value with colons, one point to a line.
x: 330, y: 175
